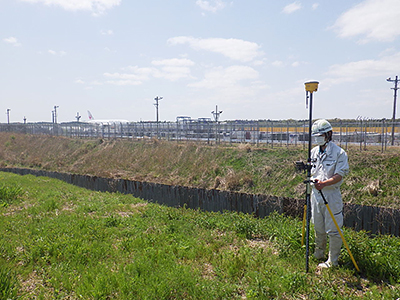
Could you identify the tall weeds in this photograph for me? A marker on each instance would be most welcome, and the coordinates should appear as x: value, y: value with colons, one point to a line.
x: 373, y: 178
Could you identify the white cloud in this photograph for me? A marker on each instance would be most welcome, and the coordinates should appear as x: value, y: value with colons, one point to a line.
x: 106, y: 32
x: 358, y: 70
x: 173, y: 69
x: 236, y: 84
x: 235, y: 49
x: 212, y: 6
x: 12, y: 41
x: 258, y: 62
x: 291, y: 8
x: 372, y: 20
x: 178, y: 62
x: 141, y: 73
x: 315, y: 6
x: 121, y: 81
x: 230, y: 77
x: 170, y: 69
x: 291, y: 62
x: 95, y: 6
x: 277, y: 63
x: 126, y: 78
x: 59, y: 53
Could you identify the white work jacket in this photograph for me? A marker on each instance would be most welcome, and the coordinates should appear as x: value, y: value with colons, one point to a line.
x: 324, y: 165
x: 332, y: 161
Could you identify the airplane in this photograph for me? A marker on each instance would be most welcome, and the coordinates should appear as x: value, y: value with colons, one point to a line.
x: 92, y: 120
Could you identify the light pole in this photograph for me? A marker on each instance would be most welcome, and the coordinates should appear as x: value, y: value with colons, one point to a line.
x: 8, y: 116
x: 396, y: 80
x: 156, y: 105
x: 216, y: 114
x: 55, y: 114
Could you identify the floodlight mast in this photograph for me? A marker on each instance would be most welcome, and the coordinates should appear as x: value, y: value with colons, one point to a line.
x: 216, y: 114
x: 77, y: 117
x: 311, y: 87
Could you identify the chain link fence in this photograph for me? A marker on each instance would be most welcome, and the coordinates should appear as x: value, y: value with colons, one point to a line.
x: 361, y: 132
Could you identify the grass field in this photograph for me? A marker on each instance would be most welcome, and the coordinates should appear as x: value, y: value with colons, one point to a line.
x: 63, y: 242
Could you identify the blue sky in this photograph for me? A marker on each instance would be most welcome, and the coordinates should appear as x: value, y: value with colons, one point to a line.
x: 251, y: 58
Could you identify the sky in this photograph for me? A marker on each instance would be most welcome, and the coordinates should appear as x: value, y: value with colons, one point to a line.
x: 249, y: 59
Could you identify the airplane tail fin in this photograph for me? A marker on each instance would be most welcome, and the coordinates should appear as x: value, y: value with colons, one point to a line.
x: 90, y: 115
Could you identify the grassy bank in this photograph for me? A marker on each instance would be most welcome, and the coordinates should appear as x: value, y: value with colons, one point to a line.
x: 64, y: 242
x: 373, y: 179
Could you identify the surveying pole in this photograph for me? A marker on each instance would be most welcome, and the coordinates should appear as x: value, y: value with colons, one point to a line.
x: 396, y: 81
x: 311, y: 87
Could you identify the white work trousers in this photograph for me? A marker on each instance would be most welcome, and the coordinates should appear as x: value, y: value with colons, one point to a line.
x: 323, y: 223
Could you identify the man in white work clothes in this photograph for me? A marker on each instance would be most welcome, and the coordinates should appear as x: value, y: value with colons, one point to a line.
x: 329, y: 166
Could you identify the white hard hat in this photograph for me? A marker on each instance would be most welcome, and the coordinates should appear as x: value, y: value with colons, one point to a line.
x: 320, y: 127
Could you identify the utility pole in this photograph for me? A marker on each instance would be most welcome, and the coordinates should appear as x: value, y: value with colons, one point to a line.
x: 396, y: 81
x: 156, y: 105
x: 8, y: 116
x: 216, y: 114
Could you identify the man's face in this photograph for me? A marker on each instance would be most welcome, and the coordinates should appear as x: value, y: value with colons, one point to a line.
x: 320, y: 140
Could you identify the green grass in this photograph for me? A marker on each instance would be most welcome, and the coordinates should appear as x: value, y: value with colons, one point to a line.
x: 63, y: 242
x: 8, y: 194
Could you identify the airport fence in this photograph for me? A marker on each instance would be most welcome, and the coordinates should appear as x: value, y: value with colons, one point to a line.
x: 360, y: 132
